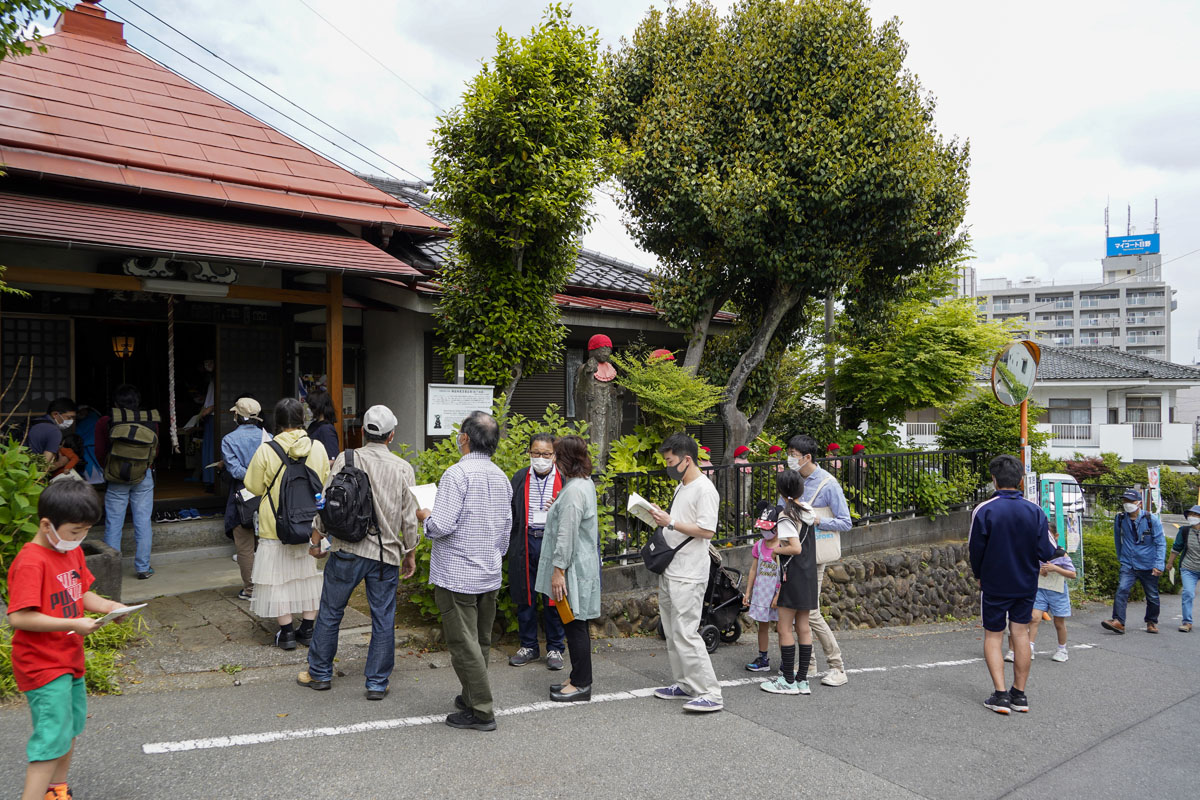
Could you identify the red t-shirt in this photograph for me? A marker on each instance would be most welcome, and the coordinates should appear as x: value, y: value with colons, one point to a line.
x: 53, y: 583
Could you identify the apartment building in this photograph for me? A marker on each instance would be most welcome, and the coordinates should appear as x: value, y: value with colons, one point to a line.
x: 1129, y: 309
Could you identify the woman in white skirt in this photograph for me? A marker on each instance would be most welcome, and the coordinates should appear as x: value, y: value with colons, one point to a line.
x: 286, y: 579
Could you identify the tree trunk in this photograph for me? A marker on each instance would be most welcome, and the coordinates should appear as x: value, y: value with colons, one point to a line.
x: 739, y: 429
x: 830, y: 397
x: 509, y: 390
x: 697, y: 337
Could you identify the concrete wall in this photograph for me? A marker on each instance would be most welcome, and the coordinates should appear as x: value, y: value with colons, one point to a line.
x: 395, y: 363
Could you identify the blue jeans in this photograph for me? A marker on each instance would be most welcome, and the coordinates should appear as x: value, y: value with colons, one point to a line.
x: 1189, y: 591
x: 527, y: 626
x: 1125, y: 584
x: 139, y: 498
x: 343, y: 572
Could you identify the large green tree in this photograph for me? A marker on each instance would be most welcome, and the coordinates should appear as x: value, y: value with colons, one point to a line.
x: 515, y: 164
x: 778, y: 155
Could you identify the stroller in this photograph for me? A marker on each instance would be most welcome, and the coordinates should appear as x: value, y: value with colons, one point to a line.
x: 719, y: 616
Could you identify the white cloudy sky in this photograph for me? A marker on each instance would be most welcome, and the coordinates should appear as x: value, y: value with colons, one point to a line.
x: 1067, y: 105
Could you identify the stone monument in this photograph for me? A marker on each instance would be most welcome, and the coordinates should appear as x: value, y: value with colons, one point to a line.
x: 598, y: 397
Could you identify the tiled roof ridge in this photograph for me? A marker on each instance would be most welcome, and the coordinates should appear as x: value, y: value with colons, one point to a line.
x: 1144, y: 366
x: 1081, y: 353
x: 628, y: 266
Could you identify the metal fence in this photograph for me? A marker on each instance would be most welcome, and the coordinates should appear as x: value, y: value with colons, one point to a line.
x: 877, y: 488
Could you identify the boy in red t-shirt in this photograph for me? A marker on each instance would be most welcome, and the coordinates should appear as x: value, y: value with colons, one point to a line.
x: 47, y: 597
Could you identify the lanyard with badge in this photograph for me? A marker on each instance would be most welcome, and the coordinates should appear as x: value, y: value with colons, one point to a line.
x: 537, y: 516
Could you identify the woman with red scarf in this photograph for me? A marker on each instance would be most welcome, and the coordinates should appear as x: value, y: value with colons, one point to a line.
x: 534, y: 488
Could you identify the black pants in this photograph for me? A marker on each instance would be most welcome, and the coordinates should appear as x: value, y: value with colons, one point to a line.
x: 579, y: 642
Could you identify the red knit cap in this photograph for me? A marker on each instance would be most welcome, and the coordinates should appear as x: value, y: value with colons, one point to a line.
x: 858, y: 448
x: 741, y: 451
x: 775, y: 448
x: 705, y: 449
x: 599, y: 340
x: 665, y: 355
x: 833, y: 446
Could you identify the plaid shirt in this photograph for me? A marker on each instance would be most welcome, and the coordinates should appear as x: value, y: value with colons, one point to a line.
x: 469, y: 526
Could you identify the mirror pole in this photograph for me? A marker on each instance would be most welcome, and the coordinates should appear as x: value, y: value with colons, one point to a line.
x: 1024, y: 424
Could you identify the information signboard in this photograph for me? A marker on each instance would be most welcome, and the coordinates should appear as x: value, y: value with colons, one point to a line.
x: 448, y: 404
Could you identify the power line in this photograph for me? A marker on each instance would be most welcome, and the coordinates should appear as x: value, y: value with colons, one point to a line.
x: 241, y: 71
x: 371, y: 56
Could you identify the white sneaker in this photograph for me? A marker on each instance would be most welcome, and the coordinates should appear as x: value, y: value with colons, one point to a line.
x: 781, y: 685
x: 834, y: 677
x: 1060, y: 655
x: 802, y: 687
x: 1009, y: 656
x: 1032, y: 655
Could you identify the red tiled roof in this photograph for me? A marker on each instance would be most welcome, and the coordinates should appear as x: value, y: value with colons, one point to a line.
x: 91, y: 108
x: 47, y: 219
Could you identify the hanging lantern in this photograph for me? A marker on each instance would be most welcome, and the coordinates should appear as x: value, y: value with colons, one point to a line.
x: 123, y: 346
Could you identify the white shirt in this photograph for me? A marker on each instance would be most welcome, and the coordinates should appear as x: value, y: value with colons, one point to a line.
x: 695, y: 503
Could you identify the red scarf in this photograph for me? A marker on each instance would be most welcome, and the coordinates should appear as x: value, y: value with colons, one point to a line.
x: 553, y: 493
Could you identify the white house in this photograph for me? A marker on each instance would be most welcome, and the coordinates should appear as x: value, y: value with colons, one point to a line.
x: 1099, y: 400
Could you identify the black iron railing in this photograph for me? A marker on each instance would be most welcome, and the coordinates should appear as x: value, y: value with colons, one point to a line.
x: 877, y: 488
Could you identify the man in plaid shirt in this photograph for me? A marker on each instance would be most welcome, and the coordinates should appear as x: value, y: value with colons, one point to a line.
x: 468, y: 528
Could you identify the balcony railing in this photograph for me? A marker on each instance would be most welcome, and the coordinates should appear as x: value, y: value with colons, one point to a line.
x: 1064, y: 303
x: 1146, y: 430
x: 1097, y: 340
x: 1064, y: 323
x: 1074, y: 433
x: 920, y: 429
x: 1139, y: 338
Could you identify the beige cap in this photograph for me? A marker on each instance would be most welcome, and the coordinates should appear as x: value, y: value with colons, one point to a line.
x: 247, y: 407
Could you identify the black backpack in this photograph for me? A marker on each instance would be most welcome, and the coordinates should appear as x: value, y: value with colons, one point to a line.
x: 298, y: 490
x: 349, y: 512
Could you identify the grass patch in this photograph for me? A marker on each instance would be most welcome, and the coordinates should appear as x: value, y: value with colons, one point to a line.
x: 102, y: 654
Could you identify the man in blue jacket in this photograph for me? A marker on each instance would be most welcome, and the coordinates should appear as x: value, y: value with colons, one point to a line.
x: 1009, y: 541
x: 1142, y: 552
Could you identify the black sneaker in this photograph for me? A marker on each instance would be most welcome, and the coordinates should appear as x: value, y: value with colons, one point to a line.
x: 285, y: 639
x: 999, y: 702
x: 304, y: 636
x: 467, y: 719
x: 1018, y: 700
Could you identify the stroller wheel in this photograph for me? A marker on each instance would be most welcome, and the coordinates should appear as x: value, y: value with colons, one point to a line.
x: 711, y: 636
x: 732, y: 633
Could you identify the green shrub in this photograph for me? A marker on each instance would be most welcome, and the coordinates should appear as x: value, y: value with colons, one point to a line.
x: 22, y: 478
x: 101, y: 654
x: 1102, y: 570
x: 980, y: 422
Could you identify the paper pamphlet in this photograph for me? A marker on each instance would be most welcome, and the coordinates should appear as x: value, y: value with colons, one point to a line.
x: 640, y: 507
x: 110, y: 616
x: 425, y: 494
x: 213, y: 465
x: 247, y: 495
x: 191, y: 423
x: 1054, y: 582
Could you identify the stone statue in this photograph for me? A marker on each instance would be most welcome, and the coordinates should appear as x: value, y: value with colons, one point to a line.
x: 598, y: 398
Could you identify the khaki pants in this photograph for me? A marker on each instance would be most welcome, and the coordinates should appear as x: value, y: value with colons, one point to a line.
x: 679, y: 606
x: 467, y: 625
x: 243, y: 540
x: 822, y: 633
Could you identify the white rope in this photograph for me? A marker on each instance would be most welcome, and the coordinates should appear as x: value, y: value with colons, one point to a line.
x: 171, y: 372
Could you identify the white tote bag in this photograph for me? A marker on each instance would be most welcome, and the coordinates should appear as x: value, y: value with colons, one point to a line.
x: 829, y: 543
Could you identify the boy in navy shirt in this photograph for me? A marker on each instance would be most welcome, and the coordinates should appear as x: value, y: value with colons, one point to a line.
x: 1008, y: 544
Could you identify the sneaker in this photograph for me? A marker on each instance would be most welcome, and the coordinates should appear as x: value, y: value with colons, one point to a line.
x: 59, y: 792
x: 523, y: 656
x: 376, y: 694
x: 245, y: 594
x: 1114, y: 625
x: 285, y: 639
x: 554, y: 659
x: 235, y: 558
x: 760, y: 664
x: 1185, y: 627
x: 1009, y: 656
x: 802, y: 687
x: 672, y: 692
x: 1060, y: 655
x: 999, y: 702
x: 467, y: 719
x: 780, y: 685
x: 304, y: 679
x: 1018, y: 701
x: 1151, y: 627
x: 703, y: 704
x: 141, y: 576
x: 304, y: 637
x: 834, y: 677
x: 1032, y: 654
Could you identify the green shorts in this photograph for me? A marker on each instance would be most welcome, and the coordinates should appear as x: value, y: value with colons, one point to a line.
x: 59, y: 711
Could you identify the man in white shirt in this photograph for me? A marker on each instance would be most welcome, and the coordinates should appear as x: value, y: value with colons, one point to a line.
x: 681, y: 587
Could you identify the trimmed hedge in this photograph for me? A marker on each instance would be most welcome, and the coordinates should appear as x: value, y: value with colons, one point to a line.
x: 1101, y: 568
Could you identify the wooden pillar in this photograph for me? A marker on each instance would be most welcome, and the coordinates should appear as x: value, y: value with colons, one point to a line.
x: 334, y: 349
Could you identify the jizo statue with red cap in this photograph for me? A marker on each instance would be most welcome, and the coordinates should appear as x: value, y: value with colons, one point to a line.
x: 597, y: 396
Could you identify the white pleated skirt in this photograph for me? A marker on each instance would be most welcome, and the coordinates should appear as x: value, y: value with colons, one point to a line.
x: 286, y: 580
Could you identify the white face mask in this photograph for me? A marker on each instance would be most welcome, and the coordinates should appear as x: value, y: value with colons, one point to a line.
x: 793, y: 462
x: 1130, y: 508
x: 541, y: 465
x: 1193, y: 521
x: 63, y: 423
x: 63, y: 545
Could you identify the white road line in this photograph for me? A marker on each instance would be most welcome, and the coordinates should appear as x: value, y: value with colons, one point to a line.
x: 242, y: 739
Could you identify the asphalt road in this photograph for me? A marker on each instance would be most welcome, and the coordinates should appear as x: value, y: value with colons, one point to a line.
x: 1118, y: 719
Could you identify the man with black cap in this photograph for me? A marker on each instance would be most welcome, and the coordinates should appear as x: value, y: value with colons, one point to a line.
x: 378, y: 561
x: 1142, y: 553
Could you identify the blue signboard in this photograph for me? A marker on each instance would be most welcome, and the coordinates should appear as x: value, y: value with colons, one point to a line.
x: 1132, y: 245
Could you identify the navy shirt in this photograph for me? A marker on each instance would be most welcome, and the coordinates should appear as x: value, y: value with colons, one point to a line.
x: 323, y: 431
x: 1010, y: 538
x: 43, y: 435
